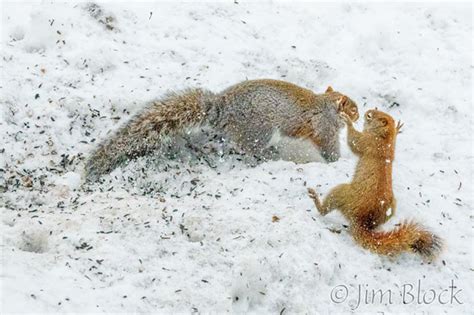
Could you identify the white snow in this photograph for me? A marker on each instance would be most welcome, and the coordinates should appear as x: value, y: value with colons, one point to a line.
x: 71, y: 180
x: 170, y: 237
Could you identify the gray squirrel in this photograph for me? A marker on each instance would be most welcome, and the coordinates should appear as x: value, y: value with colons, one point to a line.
x: 253, y: 114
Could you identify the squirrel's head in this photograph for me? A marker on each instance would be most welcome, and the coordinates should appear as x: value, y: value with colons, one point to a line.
x: 379, y: 123
x: 344, y: 103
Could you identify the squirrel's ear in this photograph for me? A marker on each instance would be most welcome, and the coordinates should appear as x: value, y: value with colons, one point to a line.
x: 329, y: 89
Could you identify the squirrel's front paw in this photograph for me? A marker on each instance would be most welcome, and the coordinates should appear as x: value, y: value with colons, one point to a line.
x: 399, y: 126
x: 345, y: 117
x: 312, y: 194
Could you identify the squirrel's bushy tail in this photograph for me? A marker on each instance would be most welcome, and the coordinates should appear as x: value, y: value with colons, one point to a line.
x: 145, y: 132
x: 408, y: 237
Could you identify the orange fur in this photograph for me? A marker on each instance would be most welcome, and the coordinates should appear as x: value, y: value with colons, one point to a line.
x: 368, y: 201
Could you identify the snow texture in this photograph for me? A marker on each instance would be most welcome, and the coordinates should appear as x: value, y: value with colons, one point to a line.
x: 160, y: 235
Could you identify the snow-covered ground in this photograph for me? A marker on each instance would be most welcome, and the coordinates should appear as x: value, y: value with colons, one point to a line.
x: 169, y: 237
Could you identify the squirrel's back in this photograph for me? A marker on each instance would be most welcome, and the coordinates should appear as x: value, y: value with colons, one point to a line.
x: 302, y: 97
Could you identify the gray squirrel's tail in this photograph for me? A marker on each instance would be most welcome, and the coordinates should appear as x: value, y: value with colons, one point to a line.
x: 147, y: 130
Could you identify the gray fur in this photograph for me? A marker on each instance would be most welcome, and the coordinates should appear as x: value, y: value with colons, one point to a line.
x: 150, y: 129
x: 248, y: 113
x: 251, y: 117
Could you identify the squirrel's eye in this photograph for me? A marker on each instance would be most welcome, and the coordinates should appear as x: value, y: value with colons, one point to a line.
x: 354, y: 110
x: 369, y: 115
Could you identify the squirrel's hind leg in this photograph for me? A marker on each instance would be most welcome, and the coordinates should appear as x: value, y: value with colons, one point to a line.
x: 331, y: 201
x: 329, y: 147
x: 252, y: 141
x: 391, y: 210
